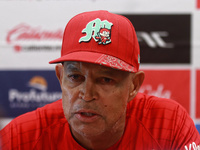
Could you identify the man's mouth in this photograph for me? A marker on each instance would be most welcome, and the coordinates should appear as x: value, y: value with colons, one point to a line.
x: 87, y: 116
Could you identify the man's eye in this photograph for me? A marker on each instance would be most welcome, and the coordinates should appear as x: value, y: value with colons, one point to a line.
x: 106, y: 80
x: 76, y: 77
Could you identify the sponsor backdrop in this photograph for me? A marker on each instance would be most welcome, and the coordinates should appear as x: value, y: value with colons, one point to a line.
x: 31, y: 35
x: 23, y: 91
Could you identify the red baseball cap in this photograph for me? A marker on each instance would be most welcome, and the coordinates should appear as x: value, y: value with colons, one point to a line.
x: 103, y: 38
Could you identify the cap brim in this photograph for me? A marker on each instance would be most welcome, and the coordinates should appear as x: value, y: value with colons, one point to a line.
x: 96, y: 58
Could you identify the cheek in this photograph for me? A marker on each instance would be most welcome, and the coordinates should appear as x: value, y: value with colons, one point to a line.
x: 120, y: 96
x: 68, y: 98
x: 115, y: 103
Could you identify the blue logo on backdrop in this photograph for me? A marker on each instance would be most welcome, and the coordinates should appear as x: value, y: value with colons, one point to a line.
x: 198, y: 127
x: 23, y: 91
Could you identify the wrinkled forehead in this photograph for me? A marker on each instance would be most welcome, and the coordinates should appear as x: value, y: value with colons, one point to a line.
x: 78, y: 66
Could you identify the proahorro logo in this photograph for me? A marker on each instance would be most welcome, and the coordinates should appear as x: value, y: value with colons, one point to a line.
x: 35, y: 97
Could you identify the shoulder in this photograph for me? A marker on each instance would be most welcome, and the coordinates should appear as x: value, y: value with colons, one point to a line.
x: 156, y: 113
x: 165, y: 120
x: 46, y: 115
x: 51, y: 113
x: 26, y: 129
x: 151, y: 104
x: 152, y: 110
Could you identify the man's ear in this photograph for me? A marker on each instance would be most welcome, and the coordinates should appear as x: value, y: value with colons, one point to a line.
x: 137, y: 80
x: 59, y: 73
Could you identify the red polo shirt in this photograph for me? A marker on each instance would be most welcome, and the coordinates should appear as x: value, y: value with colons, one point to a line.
x: 151, y: 123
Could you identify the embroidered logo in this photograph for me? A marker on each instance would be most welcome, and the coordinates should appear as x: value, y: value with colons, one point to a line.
x: 192, y: 146
x: 99, y: 30
x: 114, y: 62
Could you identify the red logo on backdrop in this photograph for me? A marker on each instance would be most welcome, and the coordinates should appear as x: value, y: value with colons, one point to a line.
x: 170, y: 84
x: 198, y: 4
x: 197, y: 94
x: 24, y: 32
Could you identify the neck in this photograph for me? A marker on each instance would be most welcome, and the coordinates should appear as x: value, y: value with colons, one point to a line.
x: 101, y: 141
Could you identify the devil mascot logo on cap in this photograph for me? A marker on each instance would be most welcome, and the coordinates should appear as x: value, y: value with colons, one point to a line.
x: 103, y: 36
x: 99, y: 30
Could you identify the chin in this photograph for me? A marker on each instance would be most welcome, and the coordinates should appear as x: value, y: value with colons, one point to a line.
x: 88, y: 131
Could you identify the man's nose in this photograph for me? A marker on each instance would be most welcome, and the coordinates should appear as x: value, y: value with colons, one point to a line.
x: 88, y: 90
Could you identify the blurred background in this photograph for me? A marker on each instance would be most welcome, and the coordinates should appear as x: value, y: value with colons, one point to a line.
x: 31, y: 31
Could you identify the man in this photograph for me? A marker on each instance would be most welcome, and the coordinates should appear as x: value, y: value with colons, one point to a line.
x: 101, y: 107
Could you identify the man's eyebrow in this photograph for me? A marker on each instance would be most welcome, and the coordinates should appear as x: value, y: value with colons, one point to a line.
x: 106, y: 72
x: 71, y: 67
x: 109, y: 72
x: 113, y: 72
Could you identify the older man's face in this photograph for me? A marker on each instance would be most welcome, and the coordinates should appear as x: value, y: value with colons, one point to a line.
x: 94, y: 97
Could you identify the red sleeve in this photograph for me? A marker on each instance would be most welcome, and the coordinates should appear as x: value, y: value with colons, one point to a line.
x: 168, y: 122
x: 17, y: 133
x: 24, y: 131
x: 185, y: 133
